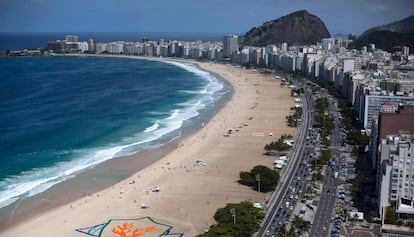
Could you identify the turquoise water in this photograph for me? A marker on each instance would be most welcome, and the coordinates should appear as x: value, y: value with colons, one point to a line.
x: 62, y: 115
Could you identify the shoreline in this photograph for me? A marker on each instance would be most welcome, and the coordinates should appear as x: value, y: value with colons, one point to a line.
x: 189, y: 194
x: 113, y: 170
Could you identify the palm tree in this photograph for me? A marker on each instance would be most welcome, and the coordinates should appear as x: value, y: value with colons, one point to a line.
x: 309, y: 190
x: 283, y: 232
x: 300, y: 224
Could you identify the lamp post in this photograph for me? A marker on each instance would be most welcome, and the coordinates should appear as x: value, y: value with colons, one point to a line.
x: 233, y: 213
x: 258, y: 186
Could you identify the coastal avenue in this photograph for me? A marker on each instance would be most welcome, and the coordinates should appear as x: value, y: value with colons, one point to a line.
x: 322, y: 218
x: 288, y: 176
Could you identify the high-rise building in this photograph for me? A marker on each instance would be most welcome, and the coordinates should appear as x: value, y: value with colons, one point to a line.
x: 370, y: 100
x: 406, y: 50
x: 72, y: 38
x: 231, y: 45
x: 397, y: 171
x: 391, y: 120
x: 91, y: 45
x: 56, y: 46
x: 284, y: 47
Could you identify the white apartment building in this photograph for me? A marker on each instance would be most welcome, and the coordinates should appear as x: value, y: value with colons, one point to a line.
x: 115, y: 47
x: 83, y: 46
x: 373, y: 104
x: 101, y: 47
x: 397, y: 170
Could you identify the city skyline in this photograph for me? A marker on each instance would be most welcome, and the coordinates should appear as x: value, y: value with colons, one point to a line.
x: 340, y: 17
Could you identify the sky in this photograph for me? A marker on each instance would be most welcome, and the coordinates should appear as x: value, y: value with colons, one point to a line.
x: 218, y: 16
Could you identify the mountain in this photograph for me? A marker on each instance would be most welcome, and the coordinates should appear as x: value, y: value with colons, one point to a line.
x: 385, y: 39
x: 297, y: 28
x: 403, y: 26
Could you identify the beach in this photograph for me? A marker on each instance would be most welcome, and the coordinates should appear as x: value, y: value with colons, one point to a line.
x: 199, y: 174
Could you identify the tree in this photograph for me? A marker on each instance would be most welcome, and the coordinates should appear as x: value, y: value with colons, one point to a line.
x: 268, y: 178
x: 326, y: 142
x: 278, y: 146
x: 309, y: 190
x: 357, y: 138
x: 286, y: 136
x: 325, y: 121
x: 369, y: 218
x: 300, y: 224
x: 322, y: 104
x: 325, y: 156
x: 247, y: 220
x: 283, y: 232
x: 356, y: 187
x: 390, y: 217
x: 317, y: 176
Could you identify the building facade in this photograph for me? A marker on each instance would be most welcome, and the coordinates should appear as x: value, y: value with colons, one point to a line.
x: 397, y: 169
x: 230, y: 45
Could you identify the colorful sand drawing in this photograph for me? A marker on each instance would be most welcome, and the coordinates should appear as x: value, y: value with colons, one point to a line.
x: 139, y: 227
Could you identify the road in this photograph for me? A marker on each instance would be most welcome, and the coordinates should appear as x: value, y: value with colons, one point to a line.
x: 293, y: 178
x: 323, y: 215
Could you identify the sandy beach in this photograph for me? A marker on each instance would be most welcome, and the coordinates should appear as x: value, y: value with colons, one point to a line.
x: 194, y: 179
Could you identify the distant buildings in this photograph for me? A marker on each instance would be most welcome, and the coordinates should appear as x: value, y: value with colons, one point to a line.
x: 70, y: 45
x: 91, y: 45
x: 72, y: 38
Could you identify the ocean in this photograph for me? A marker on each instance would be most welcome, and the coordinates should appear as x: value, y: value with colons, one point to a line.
x: 62, y: 115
